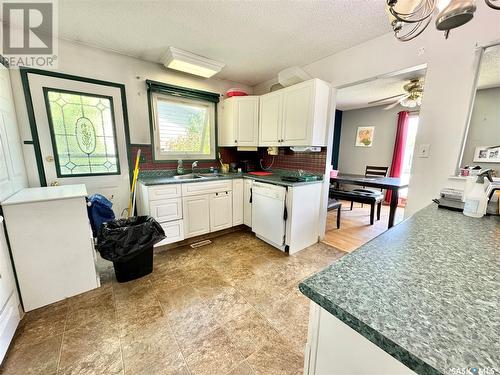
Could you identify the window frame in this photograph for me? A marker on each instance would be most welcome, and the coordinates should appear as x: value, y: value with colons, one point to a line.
x: 46, y: 91
x: 181, y: 94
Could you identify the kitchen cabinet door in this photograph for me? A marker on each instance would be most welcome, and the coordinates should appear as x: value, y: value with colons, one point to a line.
x: 247, y: 120
x: 196, y: 215
x: 226, y: 128
x: 270, y: 122
x: 221, y: 211
x: 297, y: 114
x: 166, y: 209
x: 237, y: 201
x: 239, y: 122
x: 247, y: 203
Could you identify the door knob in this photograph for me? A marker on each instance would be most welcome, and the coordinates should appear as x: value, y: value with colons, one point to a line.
x: 54, y: 183
x: 49, y: 158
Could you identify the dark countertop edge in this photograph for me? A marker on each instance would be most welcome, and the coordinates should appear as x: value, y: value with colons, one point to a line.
x: 170, y: 180
x: 390, y: 347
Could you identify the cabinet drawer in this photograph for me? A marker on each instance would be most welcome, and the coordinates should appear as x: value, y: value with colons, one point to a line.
x: 164, y: 191
x: 196, y: 188
x: 166, y: 209
x: 174, y: 230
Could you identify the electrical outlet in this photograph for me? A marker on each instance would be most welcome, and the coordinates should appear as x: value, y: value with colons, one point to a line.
x: 424, y: 150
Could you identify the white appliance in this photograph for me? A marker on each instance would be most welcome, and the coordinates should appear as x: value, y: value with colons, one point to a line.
x: 51, y: 243
x: 268, y: 213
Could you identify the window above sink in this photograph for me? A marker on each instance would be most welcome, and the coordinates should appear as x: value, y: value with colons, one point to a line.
x: 183, y: 123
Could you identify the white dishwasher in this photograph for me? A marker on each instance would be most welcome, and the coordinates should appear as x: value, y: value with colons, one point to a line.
x: 268, y: 213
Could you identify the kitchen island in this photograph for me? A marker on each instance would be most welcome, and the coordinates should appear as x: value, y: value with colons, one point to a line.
x: 421, y: 298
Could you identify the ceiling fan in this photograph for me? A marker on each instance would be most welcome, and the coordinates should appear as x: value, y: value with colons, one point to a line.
x: 411, y: 98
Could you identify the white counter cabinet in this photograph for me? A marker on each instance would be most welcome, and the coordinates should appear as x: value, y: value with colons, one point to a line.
x: 334, y: 348
x: 51, y: 243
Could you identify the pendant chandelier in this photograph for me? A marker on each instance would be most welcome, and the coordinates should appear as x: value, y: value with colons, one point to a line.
x: 409, y: 18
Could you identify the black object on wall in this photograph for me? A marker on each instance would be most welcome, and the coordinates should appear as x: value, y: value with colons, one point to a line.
x: 336, y: 139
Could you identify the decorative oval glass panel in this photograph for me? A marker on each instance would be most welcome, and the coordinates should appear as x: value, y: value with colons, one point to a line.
x: 85, y: 135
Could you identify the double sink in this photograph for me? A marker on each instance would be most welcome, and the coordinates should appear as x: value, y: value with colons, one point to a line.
x: 195, y: 176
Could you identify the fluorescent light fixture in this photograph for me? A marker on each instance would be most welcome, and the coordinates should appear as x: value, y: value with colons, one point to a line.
x: 190, y: 63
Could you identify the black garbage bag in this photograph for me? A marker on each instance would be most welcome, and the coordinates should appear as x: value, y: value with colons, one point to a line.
x: 122, y: 239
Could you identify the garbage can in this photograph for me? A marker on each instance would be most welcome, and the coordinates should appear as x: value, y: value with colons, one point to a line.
x: 128, y: 243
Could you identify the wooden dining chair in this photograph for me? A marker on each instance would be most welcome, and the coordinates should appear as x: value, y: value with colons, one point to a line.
x: 373, y: 172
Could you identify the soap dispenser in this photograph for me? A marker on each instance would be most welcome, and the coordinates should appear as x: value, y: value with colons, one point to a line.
x: 476, y: 200
x: 180, y: 167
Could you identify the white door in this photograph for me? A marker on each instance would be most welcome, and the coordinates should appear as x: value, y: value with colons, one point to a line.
x: 221, y: 211
x: 196, y: 211
x: 12, y: 171
x: 271, y: 106
x: 238, y: 201
x: 247, y: 203
x: 81, y: 131
x: 247, y: 120
x: 9, y: 304
x: 297, y: 114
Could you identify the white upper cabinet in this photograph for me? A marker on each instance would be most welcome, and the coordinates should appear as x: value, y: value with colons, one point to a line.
x: 239, y: 125
x: 295, y: 116
x: 271, y: 111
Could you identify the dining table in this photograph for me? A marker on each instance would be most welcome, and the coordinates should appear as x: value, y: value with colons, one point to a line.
x: 393, y: 184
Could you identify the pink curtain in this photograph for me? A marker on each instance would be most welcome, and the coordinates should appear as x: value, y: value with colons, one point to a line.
x: 399, y: 148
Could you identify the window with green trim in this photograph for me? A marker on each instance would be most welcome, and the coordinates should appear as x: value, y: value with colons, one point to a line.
x: 83, y: 133
x: 183, y: 128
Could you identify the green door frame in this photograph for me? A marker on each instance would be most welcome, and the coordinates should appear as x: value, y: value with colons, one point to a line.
x: 31, y: 114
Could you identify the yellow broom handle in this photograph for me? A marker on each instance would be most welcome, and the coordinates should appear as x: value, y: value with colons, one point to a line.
x: 134, y: 179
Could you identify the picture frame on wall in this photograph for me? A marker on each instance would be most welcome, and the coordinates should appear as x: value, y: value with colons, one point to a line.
x: 364, y: 136
x: 487, y: 154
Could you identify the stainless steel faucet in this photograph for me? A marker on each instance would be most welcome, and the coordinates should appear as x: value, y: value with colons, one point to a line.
x: 193, y: 166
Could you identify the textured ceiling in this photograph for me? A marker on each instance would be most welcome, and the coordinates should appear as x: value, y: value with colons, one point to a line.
x: 489, y: 71
x: 358, y: 96
x: 255, y: 39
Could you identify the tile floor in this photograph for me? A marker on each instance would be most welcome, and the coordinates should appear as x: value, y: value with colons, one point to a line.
x: 231, y: 307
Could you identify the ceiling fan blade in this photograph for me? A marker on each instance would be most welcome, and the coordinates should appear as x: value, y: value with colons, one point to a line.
x: 386, y: 99
x: 390, y: 106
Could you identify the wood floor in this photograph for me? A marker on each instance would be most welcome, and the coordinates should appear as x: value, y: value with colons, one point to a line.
x: 355, y: 229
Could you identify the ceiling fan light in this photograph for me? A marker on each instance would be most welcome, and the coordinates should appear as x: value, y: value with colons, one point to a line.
x: 455, y: 14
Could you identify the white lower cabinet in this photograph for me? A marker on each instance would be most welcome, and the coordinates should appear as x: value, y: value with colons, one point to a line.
x: 166, y: 209
x: 247, y: 202
x: 238, y: 201
x: 174, y: 231
x: 335, y: 348
x: 196, y: 211
x: 221, y: 211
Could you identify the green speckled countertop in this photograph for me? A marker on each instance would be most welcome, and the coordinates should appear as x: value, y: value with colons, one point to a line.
x: 162, y: 177
x: 427, y: 291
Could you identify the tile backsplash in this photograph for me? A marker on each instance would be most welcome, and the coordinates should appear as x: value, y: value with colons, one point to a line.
x: 286, y: 159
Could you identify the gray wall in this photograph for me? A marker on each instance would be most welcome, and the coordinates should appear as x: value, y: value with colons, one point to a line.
x: 354, y: 159
x: 484, y: 129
